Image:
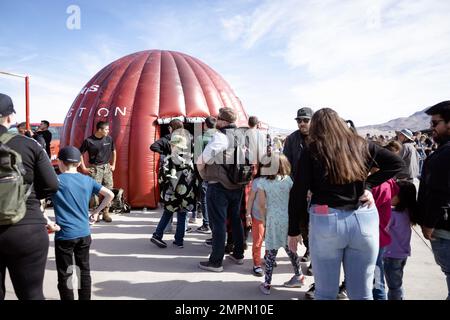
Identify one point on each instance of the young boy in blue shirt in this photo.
(71, 204)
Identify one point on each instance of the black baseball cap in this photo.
(69, 154)
(304, 113)
(440, 108)
(6, 105)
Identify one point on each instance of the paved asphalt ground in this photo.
(125, 265)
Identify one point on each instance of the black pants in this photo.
(23, 250)
(65, 250)
(247, 230)
(305, 238)
(222, 201)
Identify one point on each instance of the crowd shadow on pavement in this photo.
(135, 252)
(126, 265)
(133, 255)
(199, 290)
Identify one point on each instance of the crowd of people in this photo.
(350, 201)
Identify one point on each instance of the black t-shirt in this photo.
(99, 150)
(47, 135)
(39, 172)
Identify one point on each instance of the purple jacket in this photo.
(400, 230)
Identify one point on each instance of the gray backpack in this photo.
(13, 190)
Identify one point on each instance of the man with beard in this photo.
(434, 190)
(294, 145)
(295, 142)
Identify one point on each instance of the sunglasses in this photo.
(304, 120)
(434, 123)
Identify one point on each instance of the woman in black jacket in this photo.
(24, 245)
(343, 218)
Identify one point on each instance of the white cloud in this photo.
(264, 19)
(234, 27)
(104, 50)
(55, 80)
(373, 60)
(27, 58)
(51, 95)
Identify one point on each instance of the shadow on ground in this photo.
(180, 289)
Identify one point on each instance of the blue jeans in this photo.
(168, 228)
(344, 237)
(379, 289)
(203, 190)
(441, 251)
(222, 201)
(393, 271)
(194, 211)
(164, 221)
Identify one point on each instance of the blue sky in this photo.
(371, 60)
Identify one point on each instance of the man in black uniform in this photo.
(102, 160)
(46, 134)
(24, 245)
(22, 129)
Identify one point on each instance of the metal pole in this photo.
(12, 74)
(27, 102)
(27, 94)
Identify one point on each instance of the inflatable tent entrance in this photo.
(138, 95)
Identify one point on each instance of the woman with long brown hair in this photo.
(343, 218)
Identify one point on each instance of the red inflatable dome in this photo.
(137, 94)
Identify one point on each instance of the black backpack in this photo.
(119, 203)
(240, 172)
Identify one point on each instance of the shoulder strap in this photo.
(6, 137)
(228, 148)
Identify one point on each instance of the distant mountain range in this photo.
(415, 122)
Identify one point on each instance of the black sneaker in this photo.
(306, 257)
(206, 265)
(229, 248)
(189, 230)
(342, 295)
(204, 229)
(309, 295)
(236, 260)
(158, 242)
(176, 245)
